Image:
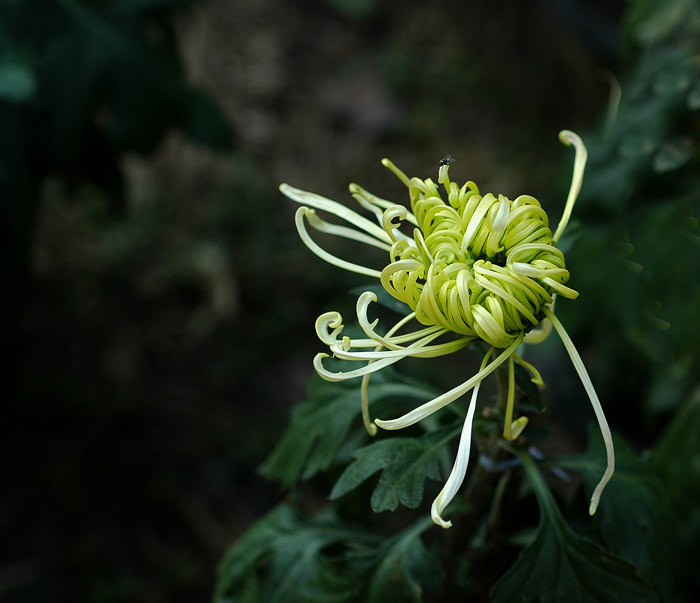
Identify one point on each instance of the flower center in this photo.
(481, 266)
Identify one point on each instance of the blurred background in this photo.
(158, 306)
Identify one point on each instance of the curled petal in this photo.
(569, 138)
(390, 341)
(391, 221)
(364, 403)
(328, 320)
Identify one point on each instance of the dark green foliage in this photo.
(634, 517)
(291, 551)
(284, 558)
(81, 83)
(675, 461)
(405, 464)
(561, 566)
(107, 72)
(320, 425)
(402, 568)
(675, 457)
(638, 265)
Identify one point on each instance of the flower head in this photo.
(474, 268)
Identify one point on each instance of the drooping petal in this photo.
(459, 470)
(597, 407)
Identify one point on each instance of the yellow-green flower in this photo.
(474, 268)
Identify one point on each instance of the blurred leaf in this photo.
(405, 464)
(652, 134)
(676, 461)
(561, 566)
(133, 7)
(676, 458)
(672, 155)
(634, 516)
(108, 79)
(205, 123)
(17, 82)
(320, 425)
(354, 9)
(651, 21)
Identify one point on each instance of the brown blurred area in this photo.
(163, 348)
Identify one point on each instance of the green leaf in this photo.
(651, 21)
(17, 82)
(284, 558)
(280, 556)
(405, 464)
(561, 566)
(672, 155)
(676, 458)
(676, 461)
(399, 570)
(406, 570)
(634, 516)
(320, 425)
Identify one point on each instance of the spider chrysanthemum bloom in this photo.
(474, 268)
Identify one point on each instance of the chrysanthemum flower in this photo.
(474, 268)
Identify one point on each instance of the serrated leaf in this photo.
(406, 570)
(288, 552)
(320, 425)
(560, 566)
(634, 516)
(405, 464)
(399, 570)
(284, 558)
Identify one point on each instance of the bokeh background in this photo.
(158, 307)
